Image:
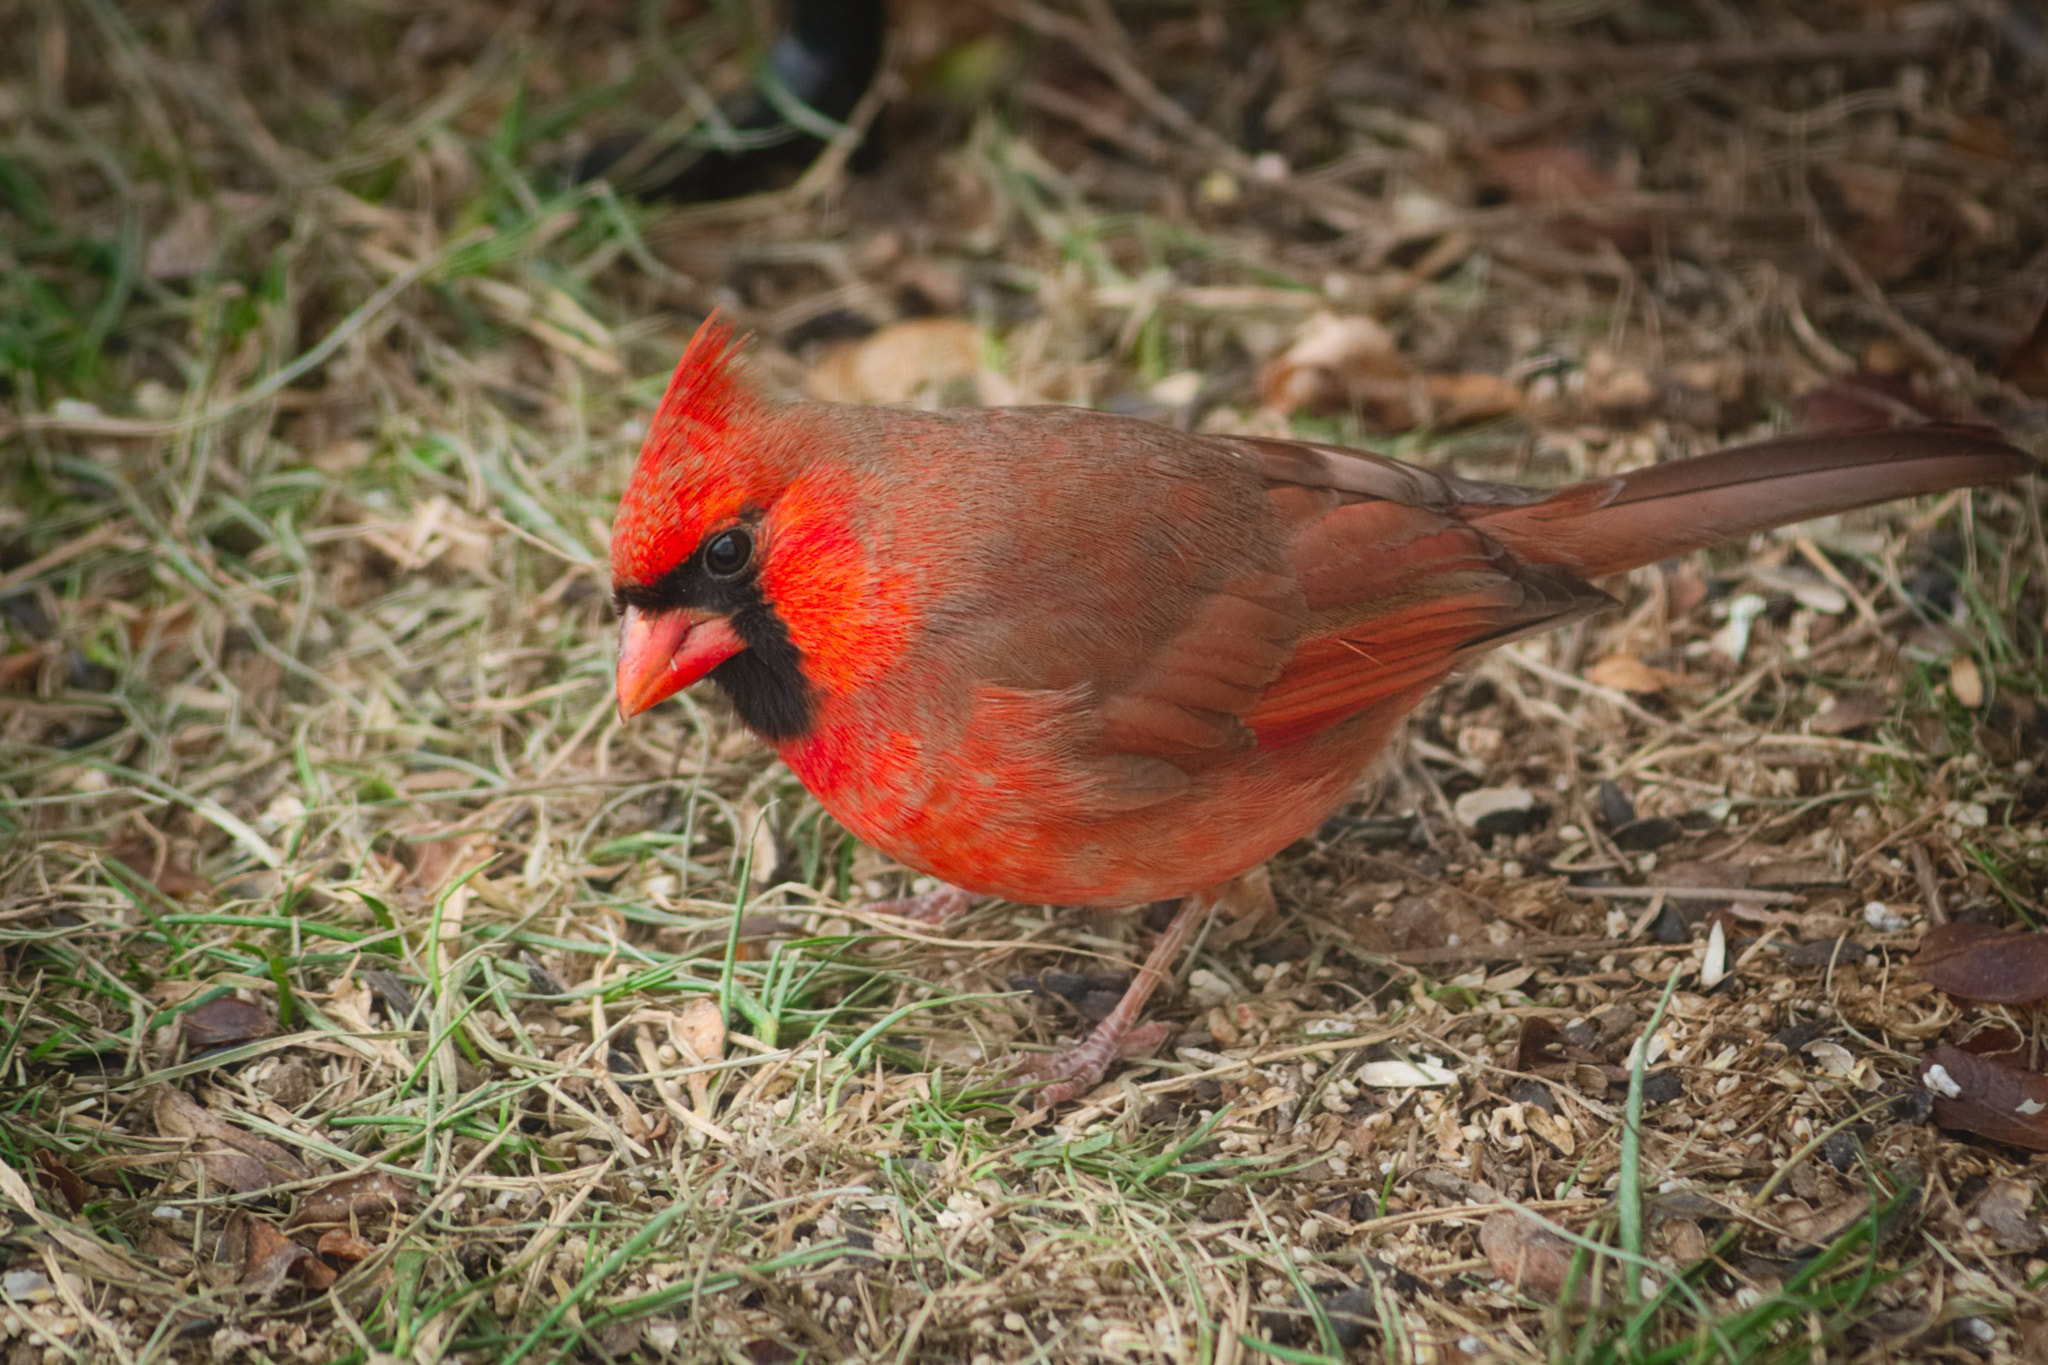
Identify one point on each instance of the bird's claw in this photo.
(1076, 1069)
(936, 909)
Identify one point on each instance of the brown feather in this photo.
(1612, 525)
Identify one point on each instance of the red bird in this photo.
(1070, 658)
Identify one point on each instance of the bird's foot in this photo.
(1078, 1068)
(936, 908)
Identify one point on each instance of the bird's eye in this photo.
(728, 553)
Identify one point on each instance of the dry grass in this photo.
(571, 1041)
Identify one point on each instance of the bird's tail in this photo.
(1606, 526)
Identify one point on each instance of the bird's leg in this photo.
(1077, 1069)
(937, 908)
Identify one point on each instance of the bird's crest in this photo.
(704, 397)
(705, 458)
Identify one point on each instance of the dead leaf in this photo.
(699, 1034)
(2006, 1208)
(224, 1021)
(1627, 673)
(1617, 389)
(1528, 1255)
(899, 362)
(1863, 402)
(1552, 175)
(1986, 136)
(1349, 364)
(1993, 1039)
(1849, 712)
(229, 1156)
(1345, 363)
(1991, 966)
(1538, 1044)
(1965, 683)
(1895, 227)
(1686, 588)
(1499, 92)
(1685, 1244)
(1399, 1074)
(336, 1245)
(1987, 1097)
(160, 866)
(1460, 399)
(1809, 1226)
(1555, 1131)
(184, 245)
(269, 1258)
(20, 670)
(61, 1178)
(440, 851)
(2026, 364)
(354, 1198)
(1244, 904)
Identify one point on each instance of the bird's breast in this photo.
(988, 812)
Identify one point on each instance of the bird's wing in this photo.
(1372, 587)
(1187, 703)
(1398, 585)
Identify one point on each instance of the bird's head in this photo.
(734, 554)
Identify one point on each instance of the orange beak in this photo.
(663, 652)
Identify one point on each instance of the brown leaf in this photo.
(1993, 1040)
(1246, 904)
(61, 1178)
(1684, 1242)
(269, 1257)
(336, 1245)
(1686, 587)
(1340, 363)
(1528, 1255)
(1802, 1223)
(2026, 364)
(1986, 136)
(223, 1021)
(229, 1156)
(1894, 227)
(1538, 1044)
(1987, 1097)
(164, 871)
(20, 670)
(354, 1197)
(1349, 364)
(1551, 175)
(2006, 1209)
(1460, 399)
(184, 245)
(699, 1032)
(1965, 682)
(1616, 389)
(1627, 673)
(1992, 966)
(440, 851)
(897, 363)
(1848, 712)
(1862, 402)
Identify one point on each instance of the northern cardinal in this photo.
(1071, 658)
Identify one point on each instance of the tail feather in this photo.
(1611, 525)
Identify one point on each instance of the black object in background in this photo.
(824, 63)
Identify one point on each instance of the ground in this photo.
(369, 992)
